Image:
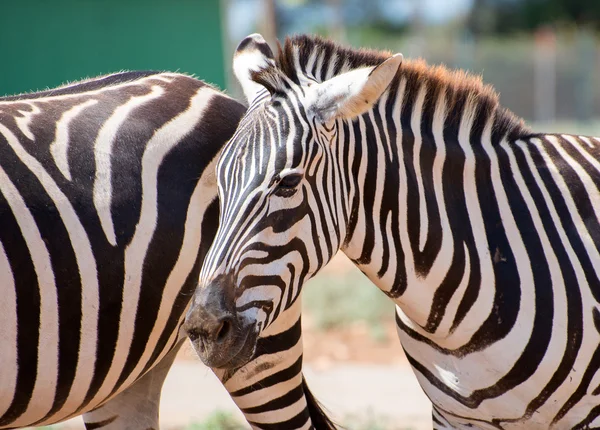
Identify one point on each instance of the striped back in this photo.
(107, 207)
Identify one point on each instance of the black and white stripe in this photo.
(484, 234)
(107, 208)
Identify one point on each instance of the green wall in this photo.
(44, 43)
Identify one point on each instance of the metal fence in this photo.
(543, 78)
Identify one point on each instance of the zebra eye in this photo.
(287, 184)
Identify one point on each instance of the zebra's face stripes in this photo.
(283, 211)
(263, 251)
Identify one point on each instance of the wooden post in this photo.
(584, 90)
(544, 81)
(336, 30)
(268, 25)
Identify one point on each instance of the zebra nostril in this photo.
(193, 334)
(223, 330)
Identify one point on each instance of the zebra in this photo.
(107, 208)
(484, 234)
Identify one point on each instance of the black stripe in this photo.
(474, 283)
(177, 178)
(28, 305)
(100, 424)
(456, 211)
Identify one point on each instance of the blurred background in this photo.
(542, 56)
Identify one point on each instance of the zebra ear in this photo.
(252, 55)
(352, 93)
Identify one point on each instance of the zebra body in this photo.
(484, 234)
(107, 207)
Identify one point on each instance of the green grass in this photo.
(335, 301)
(218, 420)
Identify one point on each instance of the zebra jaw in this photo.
(221, 337)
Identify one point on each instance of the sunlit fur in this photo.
(485, 235)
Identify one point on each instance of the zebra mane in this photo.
(298, 50)
(459, 87)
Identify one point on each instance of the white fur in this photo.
(352, 93)
(248, 60)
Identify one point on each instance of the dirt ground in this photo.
(363, 381)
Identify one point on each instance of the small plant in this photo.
(219, 420)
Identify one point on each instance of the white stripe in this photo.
(24, 121)
(567, 192)
(417, 301)
(87, 270)
(482, 307)
(415, 125)
(266, 365)
(309, 63)
(556, 348)
(589, 158)
(59, 148)
(443, 331)
(319, 68)
(376, 256)
(330, 68)
(260, 396)
(585, 139)
(158, 147)
(355, 247)
(115, 87)
(47, 365)
(103, 154)
(8, 332)
(499, 355)
(202, 196)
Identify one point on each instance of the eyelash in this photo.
(286, 186)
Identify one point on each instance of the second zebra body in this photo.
(485, 234)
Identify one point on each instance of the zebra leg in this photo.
(137, 406)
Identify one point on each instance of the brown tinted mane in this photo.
(460, 88)
(463, 90)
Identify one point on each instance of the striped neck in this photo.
(412, 159)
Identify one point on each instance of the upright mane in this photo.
(301, 55)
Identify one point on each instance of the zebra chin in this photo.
(229, 356)
(222, 337)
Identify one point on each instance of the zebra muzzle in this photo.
(220, 337)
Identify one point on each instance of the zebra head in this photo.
(283, 195)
